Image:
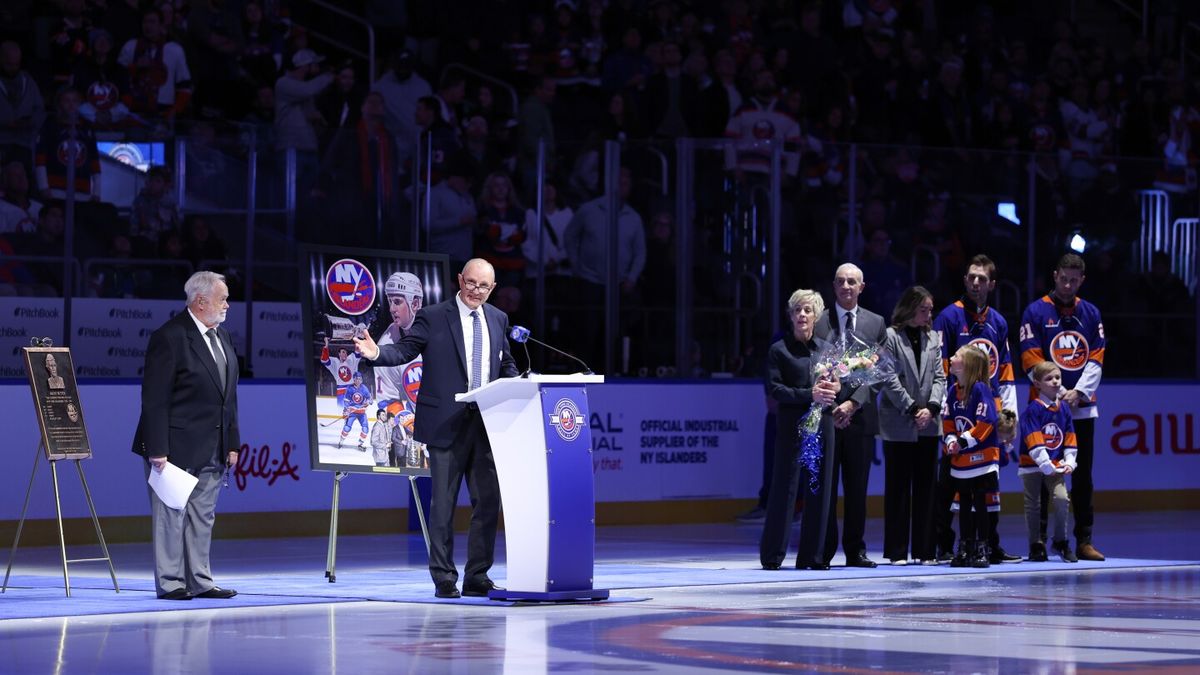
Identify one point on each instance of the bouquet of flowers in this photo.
(853, 362)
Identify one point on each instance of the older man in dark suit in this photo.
(854, 416)
(190, 418)
(463, 343)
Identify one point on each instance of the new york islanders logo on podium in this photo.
(350, 286)
(566, 419)
(1069, 350)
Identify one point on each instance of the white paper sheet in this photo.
(173, 485)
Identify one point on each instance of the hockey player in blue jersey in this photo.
(1066, 330)
(357, 398)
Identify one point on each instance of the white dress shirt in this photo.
(841, 318)
(468, 326)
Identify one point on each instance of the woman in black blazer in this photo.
(790, 382)
(910, 424)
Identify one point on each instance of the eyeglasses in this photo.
(482, 288)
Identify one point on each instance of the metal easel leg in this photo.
(412, 482)
(331, 555)
(112, 571)
(62, 537)
(37, 456)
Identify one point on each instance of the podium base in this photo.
(549, 596)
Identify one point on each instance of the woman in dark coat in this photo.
(790, 382)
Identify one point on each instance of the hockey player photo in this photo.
(361, 416)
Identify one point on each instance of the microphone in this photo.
(520, 334)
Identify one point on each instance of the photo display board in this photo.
(56, 401)
(361, 418)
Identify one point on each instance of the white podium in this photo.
(538, 429)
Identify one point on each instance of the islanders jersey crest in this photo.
(350, 286)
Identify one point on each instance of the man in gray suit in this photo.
(854, 416)
(190, 418)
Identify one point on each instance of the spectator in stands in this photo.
(296, 116)
(401, 89)
(758, 123)
(217, 42)
(621, 123)
(358, 175)
(67, 130)
(501, 229)
(441, 139)
(450, 96)
(672, 97)
(628, 67)
(889, 277)
(548, 240)
(536, 123)
(22, 111)
(341, 105)
(453, 214)
(262, 118)
(103, 82)
(154, 211)
(721, 99)
(478, 150)
(262, 51)
(586, 241)
(201, 245)
(69, 41)
(166, 280)
(46, 241)
(947, 120)
(18, 213)
(1086, 135)
(119, 279)
(159, 79)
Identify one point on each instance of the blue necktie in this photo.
(476, 351)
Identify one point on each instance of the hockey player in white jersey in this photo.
(405, 296)
(343, 369)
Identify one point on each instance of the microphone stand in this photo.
(586, 370)
(528, 361)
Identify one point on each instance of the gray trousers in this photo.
(182, 538)
(1056, 487)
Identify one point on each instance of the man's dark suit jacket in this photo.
(872, 330)
(437, 335)
(185, 414)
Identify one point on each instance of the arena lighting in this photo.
(1078, 243)
(1008, 211)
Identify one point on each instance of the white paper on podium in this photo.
(173, 485)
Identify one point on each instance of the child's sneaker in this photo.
(1063, 549)
(1037, 552)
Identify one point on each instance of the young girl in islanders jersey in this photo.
(1048, 454)
(970, 441)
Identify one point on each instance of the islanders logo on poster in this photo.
(350, 286)
(566, 419)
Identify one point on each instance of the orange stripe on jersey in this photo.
(1069, 440)
(1031, 357)
(946, 366)
(1035, 439)
(1006, 374)
(948, 427)
(981, 430)
(1097, 355)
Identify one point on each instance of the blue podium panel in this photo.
(572, 536)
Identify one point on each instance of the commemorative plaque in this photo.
(56, 400)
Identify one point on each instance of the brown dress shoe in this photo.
(1088, 552)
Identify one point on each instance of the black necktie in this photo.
(849, 322)
(218, 355)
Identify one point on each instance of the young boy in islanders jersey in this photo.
(357, 398)
(343, 370)
(1047, 456)
(1066, 330)
(970, 442)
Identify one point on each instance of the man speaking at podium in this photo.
(463, 343)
